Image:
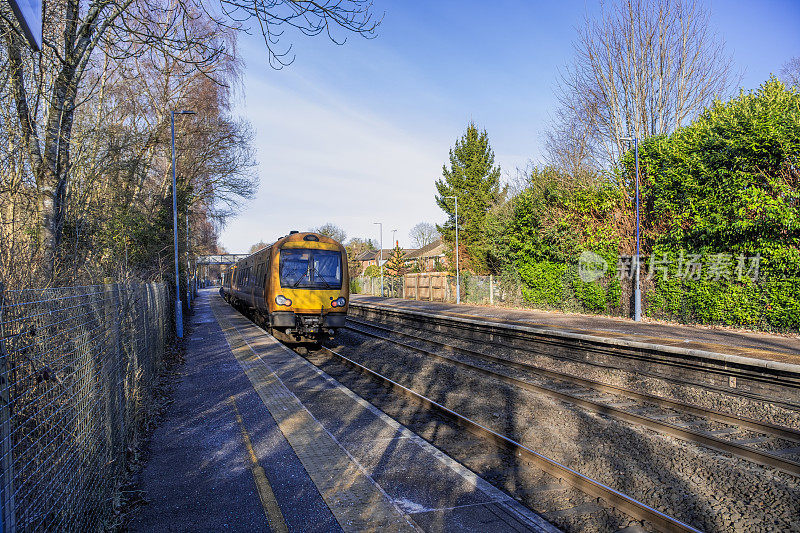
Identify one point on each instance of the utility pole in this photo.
(458, 276)
(188, 265)
(178, 303)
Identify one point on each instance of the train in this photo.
(297, 288)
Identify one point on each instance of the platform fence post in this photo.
(8, 521)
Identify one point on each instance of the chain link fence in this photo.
(433, 286)
(76, 369)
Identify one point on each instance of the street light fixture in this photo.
(380, 262)
(458, 276)
(637, 295)
(178, 303)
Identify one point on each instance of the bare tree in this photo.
(331, 230)
(423, 234)
(257, 246)
(48, 89)
(309, 17)
(641, 67)
(790, 72)
(569, 143)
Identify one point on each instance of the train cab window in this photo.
(311, 269)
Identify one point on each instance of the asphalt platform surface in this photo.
(782, 348)
(331, 461)
(197, 477)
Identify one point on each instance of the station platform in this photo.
(259, 439)
(781, 349)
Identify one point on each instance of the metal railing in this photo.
(431, 286)
(77, 366)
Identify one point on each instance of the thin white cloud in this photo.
(323, 160)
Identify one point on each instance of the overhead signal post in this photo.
(458, 275)
(380, 262)
(178, 303)
(637, 294)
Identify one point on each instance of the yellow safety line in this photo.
(268, 501)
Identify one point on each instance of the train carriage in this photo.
(297, 286)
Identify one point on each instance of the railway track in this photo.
(594, 489)
(631, 406)
(750, 379)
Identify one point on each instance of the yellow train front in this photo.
(297, 286)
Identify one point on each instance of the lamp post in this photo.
(188, 265)
(380, 262)
(458, 275)
(637, 295)
(394, 235)
(178, 303)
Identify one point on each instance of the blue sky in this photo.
(358, 133)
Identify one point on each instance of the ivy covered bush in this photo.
(728, 183)
(724, 186)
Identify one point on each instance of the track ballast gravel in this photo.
(706, 489)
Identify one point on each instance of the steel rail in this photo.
(450, 320)
(627, 504)
(710, 441)
(719, 416)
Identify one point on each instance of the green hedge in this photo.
(772, 305)
(558, 286)
(769, 305)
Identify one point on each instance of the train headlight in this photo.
(282, 300)
(338, 302)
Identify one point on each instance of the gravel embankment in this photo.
(534, 488)
(707, 489)
(730, 403)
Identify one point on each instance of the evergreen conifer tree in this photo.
(475, 180)
(396, 264)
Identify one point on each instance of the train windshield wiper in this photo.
(323, 280)
(296, 283)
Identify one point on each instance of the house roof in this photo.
(366, 255)
(434, 249)
(371, 255)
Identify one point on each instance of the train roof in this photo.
(294, 236)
